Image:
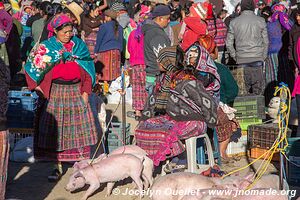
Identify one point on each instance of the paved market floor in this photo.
(29, 182)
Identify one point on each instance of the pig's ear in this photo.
(76, 166)
(78, 175)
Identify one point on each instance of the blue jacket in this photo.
(275, 36)
(106, 39)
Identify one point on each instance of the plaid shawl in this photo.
(167, 60)
(205, 69)
(45, 56)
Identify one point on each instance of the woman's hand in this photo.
(85, 98)
(39, 91)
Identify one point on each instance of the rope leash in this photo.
(283, 118)
(125, 72)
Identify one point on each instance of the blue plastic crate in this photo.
(20, 119)
(115, 136)
(22, 100)
(13, 123)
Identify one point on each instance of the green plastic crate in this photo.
(244, 123)
(250, 107)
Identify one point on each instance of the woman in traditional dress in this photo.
(161, 136)
(137, 63)
(62, 71)
(109, 45)
(90, 25)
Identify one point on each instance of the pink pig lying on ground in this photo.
(108, 170)
(147, 173)
(185, 182)
(241, 183)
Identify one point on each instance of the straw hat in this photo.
(76, 10)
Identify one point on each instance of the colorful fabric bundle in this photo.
(279, 13)
(214, 171)
(190, 101)
(207, 41)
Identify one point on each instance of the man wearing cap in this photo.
(250, 35)
(155, 39)
(126, 22)
(260, 5)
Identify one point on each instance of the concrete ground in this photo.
(29, 182)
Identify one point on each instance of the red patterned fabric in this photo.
(90, 41)
(218, 31)
(111, 64)
(139, 93)
(160, 136)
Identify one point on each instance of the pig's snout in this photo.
(69, 188)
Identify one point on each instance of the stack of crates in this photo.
(262, 137)
(21, 109)
(250, 110)
(115, 136)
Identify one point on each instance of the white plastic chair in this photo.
(190, 145)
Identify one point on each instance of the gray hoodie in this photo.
(155, 39)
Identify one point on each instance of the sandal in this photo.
(137, 118)
(55, 176)
(130, 114)
(179, 168)
(169, 167)
(235, 158)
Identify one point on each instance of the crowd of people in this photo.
(177, 54)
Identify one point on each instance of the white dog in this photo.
(273, 109)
